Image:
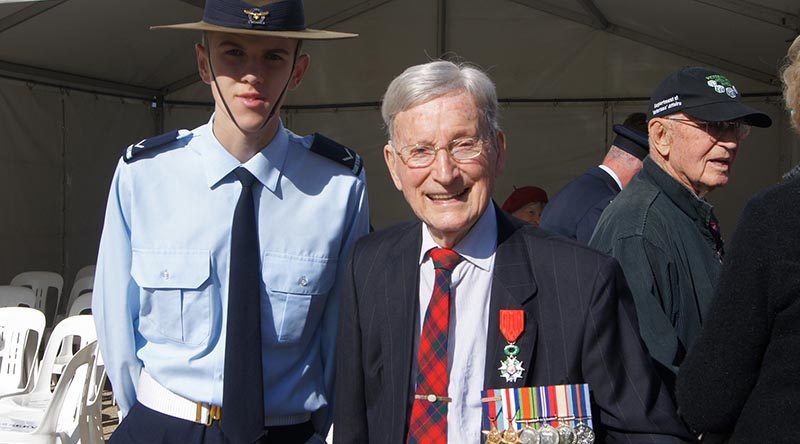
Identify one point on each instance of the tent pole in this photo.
(157, 105)
(441, 34)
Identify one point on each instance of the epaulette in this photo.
(337, 152)
(137, 149)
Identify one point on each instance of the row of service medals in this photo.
(557, 414)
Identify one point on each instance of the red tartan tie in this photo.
(429, 418)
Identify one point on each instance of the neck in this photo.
(241, 144)
(622, 171)
(664, 165)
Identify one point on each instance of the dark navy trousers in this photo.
(146, 426)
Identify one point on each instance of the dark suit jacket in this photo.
(575, 210)
(580, 326)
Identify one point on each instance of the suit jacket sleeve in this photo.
(358, 227)
(634, 405)
(350, 412)
(586, 225)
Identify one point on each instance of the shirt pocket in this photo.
(297, 287)
(175, 294)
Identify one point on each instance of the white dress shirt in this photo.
(612, 174)
(469, 317)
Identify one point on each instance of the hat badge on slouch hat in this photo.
(276, 18)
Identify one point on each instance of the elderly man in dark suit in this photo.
(420, 332)
(575, 210)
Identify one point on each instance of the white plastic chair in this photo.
(27, 419)
(88, 270)
(11, 296)
(41, 282)
(90, 425)
(80, 304)
(81, 286)
(20, 334)
(74, 326)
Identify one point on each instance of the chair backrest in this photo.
(81, 304)
(41, 282)
(81, 286)
(65, 410)
(81, 326)
(85, 271)
(20, 335)
(91, 422)
(11, 296)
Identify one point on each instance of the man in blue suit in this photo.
(575, 210)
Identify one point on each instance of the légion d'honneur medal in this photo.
(512, 322)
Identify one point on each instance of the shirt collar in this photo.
(478, 245)
(612, 174)
(266, 166)
(698, 209)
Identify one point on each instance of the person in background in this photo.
(740, 382)
(526, 203)
(660, 227)
(420, 333)
(575, 210)
(215, 295)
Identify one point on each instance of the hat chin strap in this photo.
(273, 108)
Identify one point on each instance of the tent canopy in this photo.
(82, 79)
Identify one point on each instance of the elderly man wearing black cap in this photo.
(661, 228)
(575, 210)
(215, 299)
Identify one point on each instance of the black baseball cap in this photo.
(705, 95)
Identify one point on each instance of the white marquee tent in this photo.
(82, 79)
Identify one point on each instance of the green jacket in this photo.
(661, 234)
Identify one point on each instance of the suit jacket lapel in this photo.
(401, 289)
(513, 288)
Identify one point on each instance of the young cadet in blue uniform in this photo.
(198, 220)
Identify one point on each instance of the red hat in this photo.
(523, 196)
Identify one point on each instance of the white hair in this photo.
(422, 83)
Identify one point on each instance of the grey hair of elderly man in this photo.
(421, 83)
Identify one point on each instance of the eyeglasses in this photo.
(420, 155)
(718, 130)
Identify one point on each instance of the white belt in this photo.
(157, 397)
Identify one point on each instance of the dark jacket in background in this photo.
(742, 377)
(575, 210)
(659, 231)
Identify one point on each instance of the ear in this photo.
(391, 163)
(500, 143)
(300, 68)
(660, 137)
(202, 63)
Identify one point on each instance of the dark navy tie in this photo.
(243, 391)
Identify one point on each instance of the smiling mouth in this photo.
(440, 197)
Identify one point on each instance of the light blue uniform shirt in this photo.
(161, 291)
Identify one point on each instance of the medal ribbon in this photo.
(512, 322)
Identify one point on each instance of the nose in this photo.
(252, 72)
(444, 168)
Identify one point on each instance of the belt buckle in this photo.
(214, 413)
